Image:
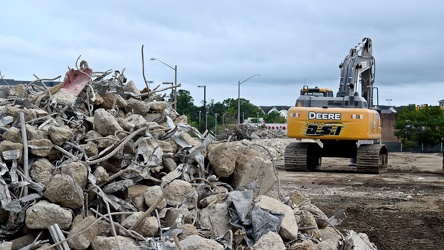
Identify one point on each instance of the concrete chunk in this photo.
(59, 135)
(78, 171)
(176, 192)
(270, 240)
(12, 134)
(216, 218)
(131, 87)
(104, 123)
(44, 214)
(289, 227)
(222, 158)
(195, 242)
(83, 240)
(152, 194)
(252, 167)
(103, 242)
(113, 101)
(139, 107)
(40, 147)
(63, 190)
(135, 193)
(158, 107)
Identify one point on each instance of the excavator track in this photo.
(371, 158)
(302, 156)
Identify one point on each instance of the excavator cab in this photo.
(316, 92)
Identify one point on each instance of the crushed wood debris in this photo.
(95, 163)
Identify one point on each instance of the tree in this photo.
(414, 126)
(249, 110)
(274, 117)
(185, 106)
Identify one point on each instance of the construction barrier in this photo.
(276, 126)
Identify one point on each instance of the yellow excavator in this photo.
(345, 126)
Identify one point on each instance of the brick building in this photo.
(388, 127)
(388, 118)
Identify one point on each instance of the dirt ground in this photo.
(402, 208)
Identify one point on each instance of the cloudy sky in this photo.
(218, 43)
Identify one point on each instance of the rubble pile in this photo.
(248, 131)
(94, 163)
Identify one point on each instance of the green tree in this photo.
(229, 116)
(414, 126)
(185, 105)
(274, 117)
(249, 110)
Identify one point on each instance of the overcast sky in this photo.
(218, 43)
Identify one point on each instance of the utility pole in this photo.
(238, 96)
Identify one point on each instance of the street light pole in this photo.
(257, 119)
(175, 79)
(215, 123)
(238, 96)
(205, 105)
(175, 83)
(170, 83)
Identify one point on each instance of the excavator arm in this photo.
(358, 65)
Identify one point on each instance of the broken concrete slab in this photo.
(59, 135)
(222, 158)
(138, 107)
(136, 194)
(12, 135)
(40, 147)
(289, 227)
(44, 214)
(250, 168)
(65, 191)
(215, 217)
(358, 241)
(152, 195)
(83, 240)
(78, 171)
(104, 123)
(268, 241)
(196, 242)
(177, 191)
(103, 242)
(113, 101)
(308, 222)
(331, 233)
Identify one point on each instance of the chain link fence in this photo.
(422, 148)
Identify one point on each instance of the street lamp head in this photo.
(201, 86)
(152, 58)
